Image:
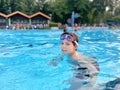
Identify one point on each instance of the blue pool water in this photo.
(25, 57)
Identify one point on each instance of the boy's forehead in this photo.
(65, 40)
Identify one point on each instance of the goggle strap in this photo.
(76, 43)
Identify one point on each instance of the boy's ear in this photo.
(76, 46)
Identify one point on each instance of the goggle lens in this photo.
(66, 36)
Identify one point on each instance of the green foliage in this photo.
(116, 18)
(62, 9)
(90, 15)
(4, 6)
(117, 10)
(59, 10)
(27, 6)
(90, 12)
(53, 24)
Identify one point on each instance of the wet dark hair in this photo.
(74, 36)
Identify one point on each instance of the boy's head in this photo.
(70, 37)
(69, 42)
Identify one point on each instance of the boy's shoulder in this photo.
(93, 61)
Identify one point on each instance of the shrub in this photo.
(53, 24)
(117, 18)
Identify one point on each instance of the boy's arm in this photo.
(55, 61)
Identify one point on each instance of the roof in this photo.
(18, 12)
(40, 13)
(3, 15)
(25, 15)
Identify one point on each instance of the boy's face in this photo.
(67, 47)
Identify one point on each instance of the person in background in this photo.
(65, 28)
(76, 27)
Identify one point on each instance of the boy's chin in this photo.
(65, 53)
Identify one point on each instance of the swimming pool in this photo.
(25, 57)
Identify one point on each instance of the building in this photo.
(24, 20)
(3, 19)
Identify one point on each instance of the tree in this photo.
(117, 11)
(15, 5)
(91, 17)
(4, 6)
(62, 9)
(27, 6)
(59, 10)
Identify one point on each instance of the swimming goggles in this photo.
(68, 37)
